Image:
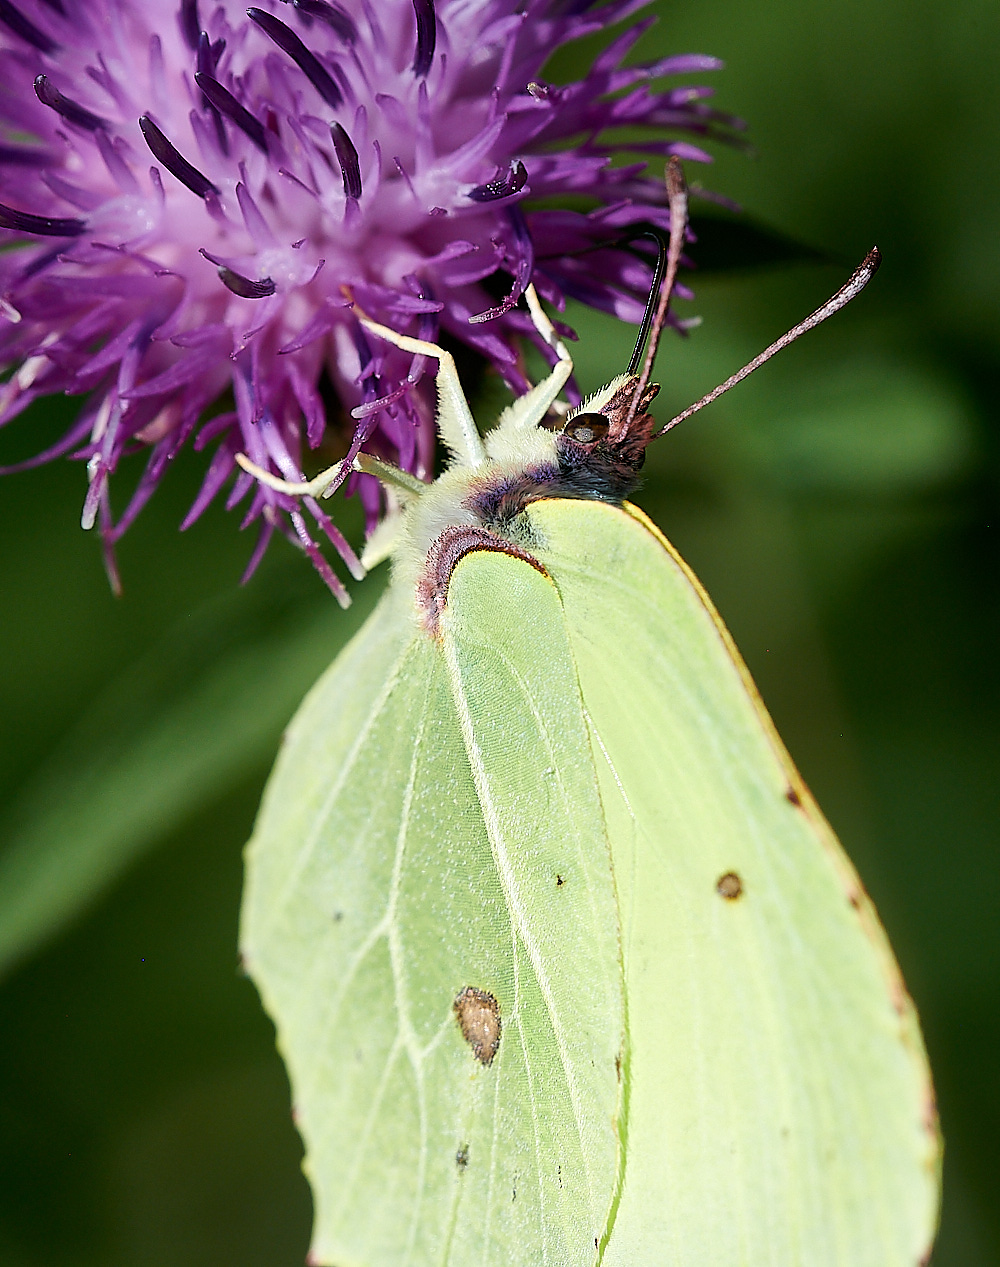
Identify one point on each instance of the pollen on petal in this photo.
(503, 186)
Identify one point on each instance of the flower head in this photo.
(188, 194)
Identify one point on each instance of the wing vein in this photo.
(366, 1132)
(515, 904)
(329, 801)
(396, 959)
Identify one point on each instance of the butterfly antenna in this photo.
(662, 286)
(859, 279)
(660, 238)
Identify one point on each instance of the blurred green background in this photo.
(841, 508)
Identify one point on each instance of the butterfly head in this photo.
(602, 445)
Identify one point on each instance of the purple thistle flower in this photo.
(191, 194)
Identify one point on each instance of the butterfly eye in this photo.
(586, 428)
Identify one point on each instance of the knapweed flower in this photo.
(189, 195)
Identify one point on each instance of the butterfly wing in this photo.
(779, 1104)
(563, 959)
(430, 918)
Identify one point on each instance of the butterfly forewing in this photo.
(430, 916)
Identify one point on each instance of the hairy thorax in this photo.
(480, 508)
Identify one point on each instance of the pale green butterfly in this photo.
(566, 965)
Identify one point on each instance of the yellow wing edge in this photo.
(853, 887)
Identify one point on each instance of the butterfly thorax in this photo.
(596, 455)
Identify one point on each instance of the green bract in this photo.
(565, 963)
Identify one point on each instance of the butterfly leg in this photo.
(529, 410)
(455, 423)
(327, 482)
(319, 486)
(548, 332)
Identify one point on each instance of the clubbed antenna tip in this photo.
(858, 280)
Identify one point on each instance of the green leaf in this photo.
(202, 710)
(728, 243)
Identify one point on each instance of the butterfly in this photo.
(565, 963)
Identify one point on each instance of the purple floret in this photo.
(189, 194)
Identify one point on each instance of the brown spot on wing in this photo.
(729, 886)
(478, 1015)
